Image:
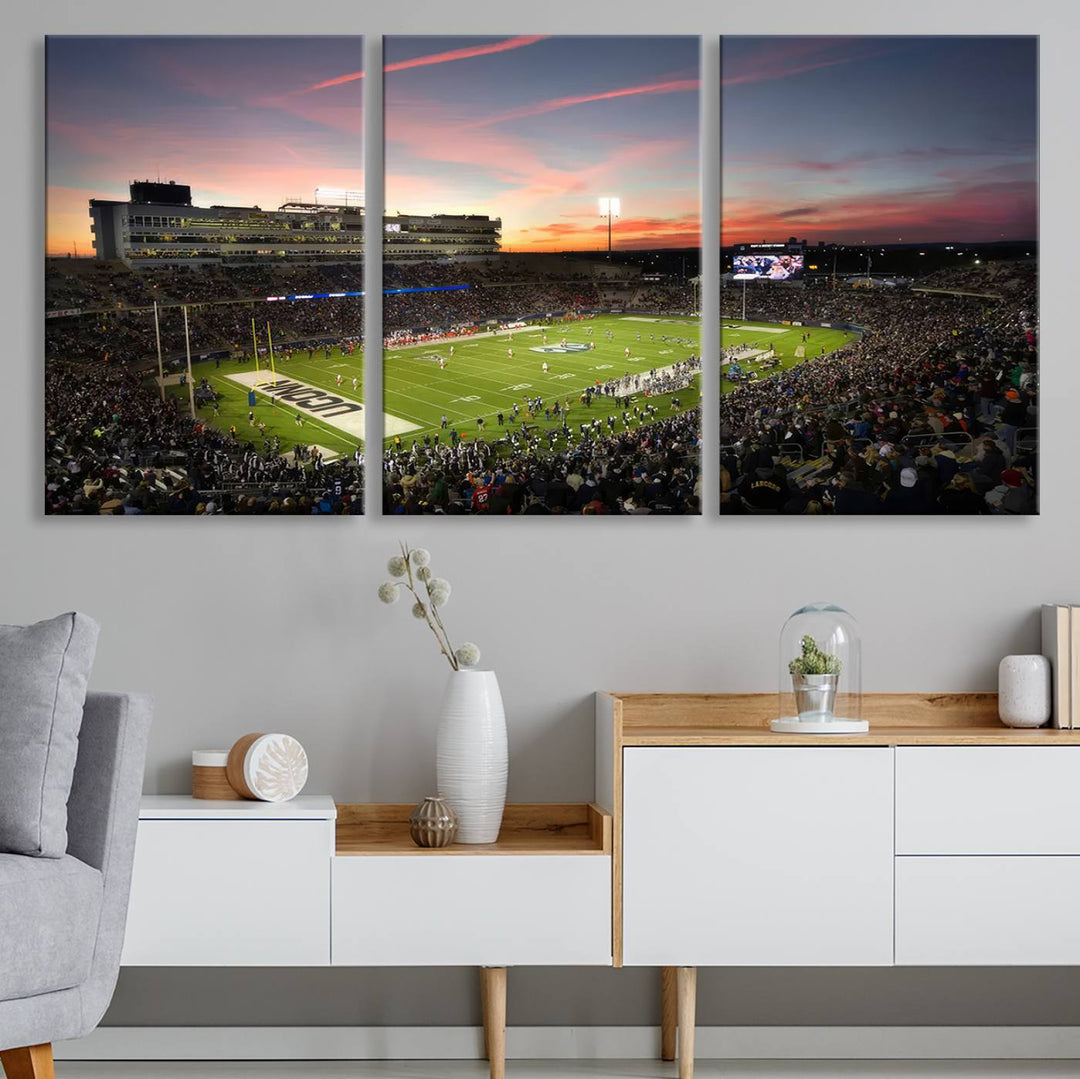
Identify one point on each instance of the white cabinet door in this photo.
(472, 910)
(988, 800)
(981, 911)
(246, 893)
(758, 856)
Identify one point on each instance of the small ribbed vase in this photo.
(432, 823)
(470, 754)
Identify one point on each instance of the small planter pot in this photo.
(815, 695)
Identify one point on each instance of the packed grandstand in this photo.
(633, 461)
(115, 446)
(933, 409)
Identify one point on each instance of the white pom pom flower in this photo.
(439, 591)
(411, 572)
(468, 655)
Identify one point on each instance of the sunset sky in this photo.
(236, 118)
(534, 130)
(879, 139)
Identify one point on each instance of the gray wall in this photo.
(238, 624)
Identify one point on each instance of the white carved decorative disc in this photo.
(276, 768)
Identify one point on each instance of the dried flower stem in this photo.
(436, 626)
(446, 635)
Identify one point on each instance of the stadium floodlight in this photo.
(609, 208)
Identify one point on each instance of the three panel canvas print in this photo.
(540, 249)
(544, 198)
(204, 275)
(879, 313)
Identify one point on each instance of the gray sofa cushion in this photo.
(49, 911)
(44, 669)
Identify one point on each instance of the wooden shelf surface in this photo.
(555, 828)
(878, 735)
(896, 719)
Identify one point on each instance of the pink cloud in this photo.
(779, 60)
(987, 209)
(449, 56)
(671, 86)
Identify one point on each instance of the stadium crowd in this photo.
(114, 447)
(653, 469)
(931, 410)
(225, 299)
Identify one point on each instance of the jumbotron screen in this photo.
(779, 267)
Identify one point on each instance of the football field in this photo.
(306, 386)
(482, 379)
(761, 336)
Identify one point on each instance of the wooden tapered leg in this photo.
(484, 1011)
(669, 997)
(493, 994)
(687, 981)
(32, 1062)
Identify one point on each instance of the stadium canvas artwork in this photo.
(879, 276)
(204, 276)
(540, 262)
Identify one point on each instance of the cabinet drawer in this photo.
(980, 911)
(230, 893)
(472, 910)
(988, 800)
(757, 856)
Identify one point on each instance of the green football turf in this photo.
(279, 419)
(480, 380)
(734, 332)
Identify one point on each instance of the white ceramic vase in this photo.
(1024, 691)
(470, 754)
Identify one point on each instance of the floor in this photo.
(575, 1069)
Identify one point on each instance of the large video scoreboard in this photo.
(768, 262)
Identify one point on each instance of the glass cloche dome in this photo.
(820, 673)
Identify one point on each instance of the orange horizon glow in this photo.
(537, 138)
(220, 114)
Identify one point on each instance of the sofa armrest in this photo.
(103, 808)
(103, 816)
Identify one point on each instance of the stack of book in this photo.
(1061, 645)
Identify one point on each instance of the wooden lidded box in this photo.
(208, 775)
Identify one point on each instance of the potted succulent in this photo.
(814, 677)
(470, 752)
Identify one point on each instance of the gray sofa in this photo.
(62, 919)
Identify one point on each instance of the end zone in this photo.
(343, 413)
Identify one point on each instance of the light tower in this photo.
(609, 208)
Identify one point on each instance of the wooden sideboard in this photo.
(940, 838)
(310, 883)
(735, 846)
